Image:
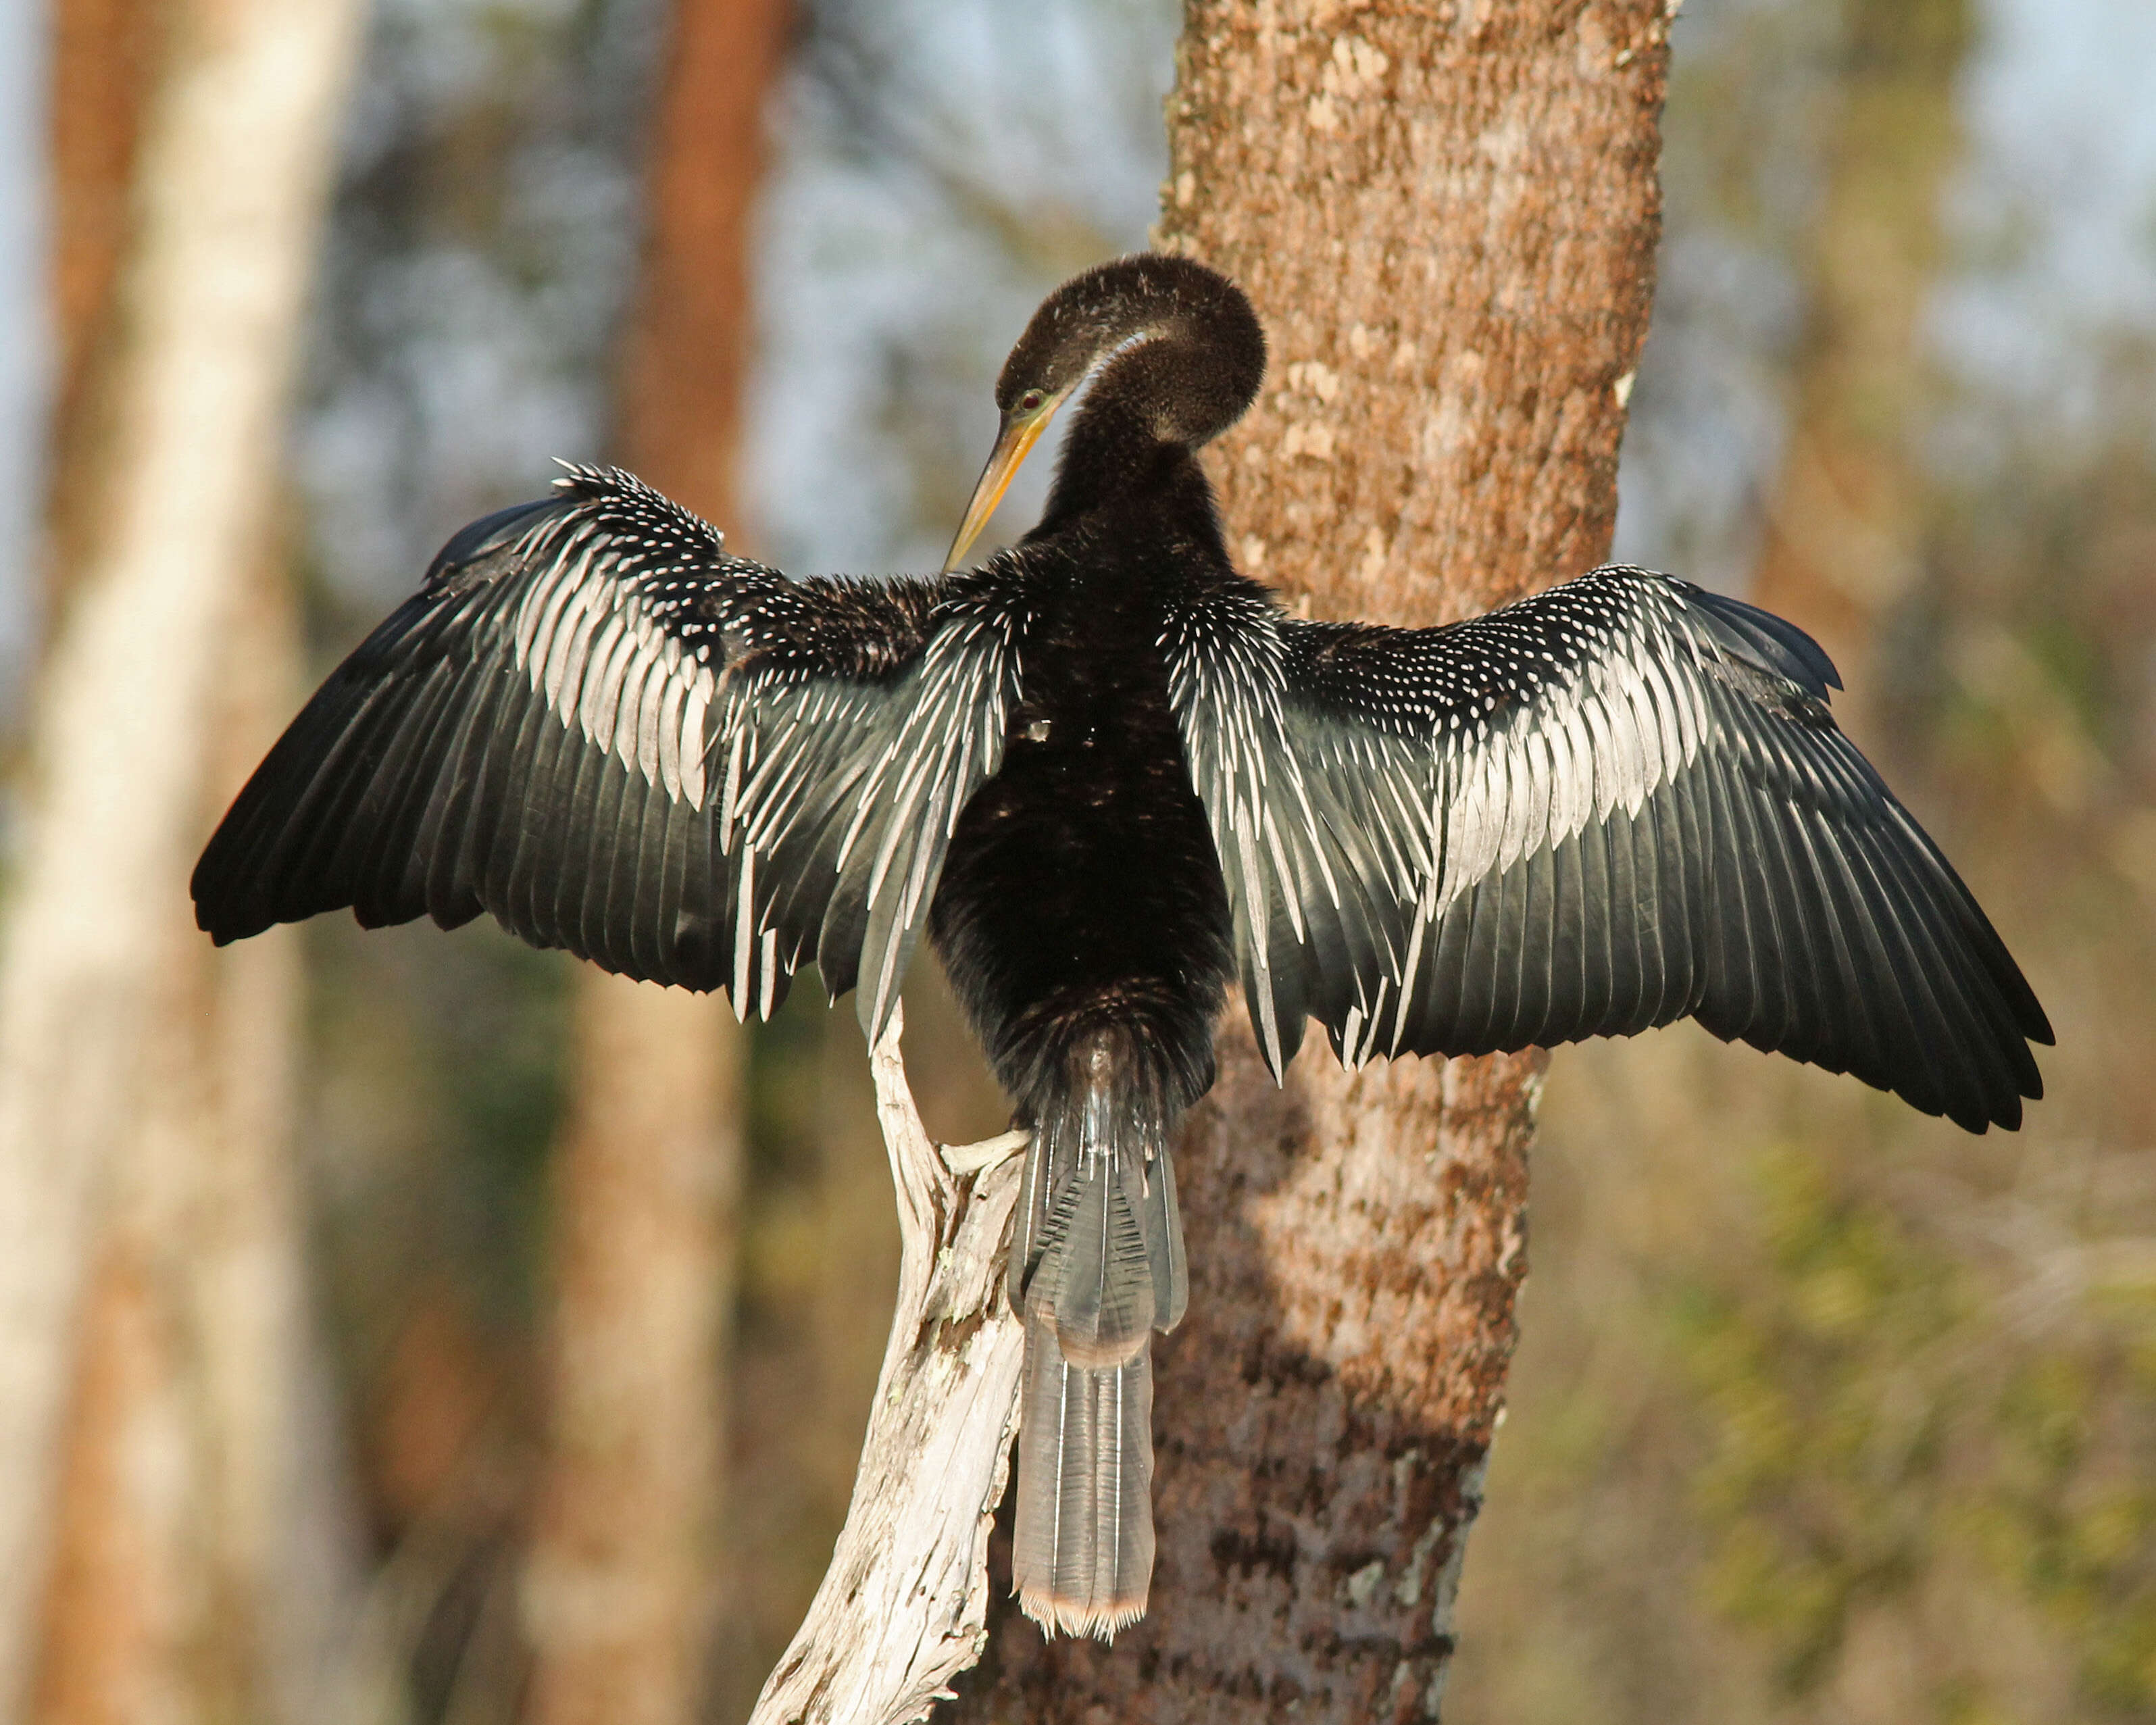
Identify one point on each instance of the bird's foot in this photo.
(963, 1159)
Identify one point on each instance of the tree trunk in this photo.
(623, 1578)
(616, 1597)
(1845, 532)
(233, 166)
(201, 1549)
(205, 1585)
(106, 59)
(1446, 218)
(102, 1649)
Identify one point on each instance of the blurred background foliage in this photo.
(1822, 1411)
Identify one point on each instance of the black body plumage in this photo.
(1111, 776)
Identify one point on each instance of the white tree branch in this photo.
(903, 1608)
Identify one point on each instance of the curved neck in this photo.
(1136, 433)
(1111, 452)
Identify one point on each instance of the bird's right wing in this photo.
(595, 725)
(1610, 805)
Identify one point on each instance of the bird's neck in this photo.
(1156, 497)
(1114, 461)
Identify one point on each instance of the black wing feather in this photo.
(1616, 803)
(596, 724)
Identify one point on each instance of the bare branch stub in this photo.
(903, 1608)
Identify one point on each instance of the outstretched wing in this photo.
(1605, 807)
(594, 724)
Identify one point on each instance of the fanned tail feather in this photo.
(1096, 1266)
(1082, 1559)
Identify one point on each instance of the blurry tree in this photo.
(1449, 232)
(144, 1124)
(627, 1565)
(106, 58)
(104, 61)
(202, 1557)
(1845, 528)
(478, 267)
(157, 1595)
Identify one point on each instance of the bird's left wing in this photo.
(1610, 805)
(594, 724)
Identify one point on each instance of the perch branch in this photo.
(903, 1609)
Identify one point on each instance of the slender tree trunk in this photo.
(279, 1556)
(624, 1571)
(113, 1641)
(101, 1647)
(1845, 531)
(106, 59)
(1446, 217)
(198, 1561)
(617, 1592)
(234, 160)
(685, 371)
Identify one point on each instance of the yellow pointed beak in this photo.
(1014, 443)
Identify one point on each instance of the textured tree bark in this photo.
(1446, 215)
(1844, 530)
(624, 1574)
(233, 166)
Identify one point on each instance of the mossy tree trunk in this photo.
(1446, 216)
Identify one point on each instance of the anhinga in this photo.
(1110, 775)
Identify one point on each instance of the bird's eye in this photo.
(1030, 401)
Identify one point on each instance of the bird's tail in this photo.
(1083, 1560)
(1096, 1266)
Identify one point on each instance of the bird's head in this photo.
(1172, 350)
